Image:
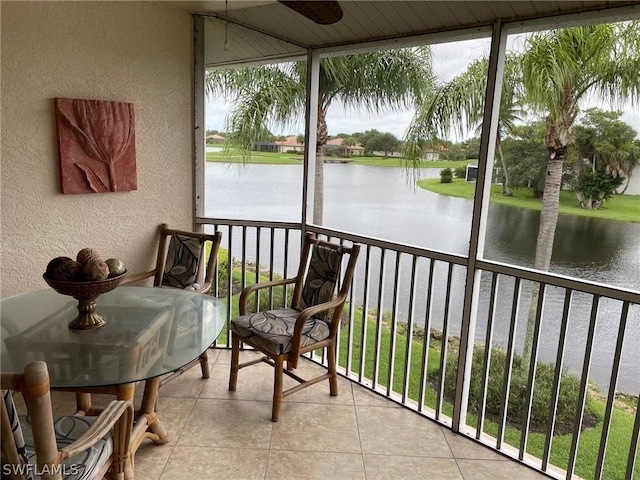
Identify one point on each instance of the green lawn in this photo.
(619, 207)
(234, 156)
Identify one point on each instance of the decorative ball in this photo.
(116, 267)
(67, 271)
(86, 255)
(55, 263)
(95, 270)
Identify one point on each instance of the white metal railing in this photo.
(402, 331)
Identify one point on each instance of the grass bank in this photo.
(234, 156)
(619, 207)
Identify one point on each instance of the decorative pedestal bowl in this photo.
(86, 294)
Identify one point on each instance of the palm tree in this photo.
(458, 105)
(623, 162)
(277, 94)
(559, 69)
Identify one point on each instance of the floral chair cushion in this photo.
(273, 330)
(18, 437)
(322, 276)
(183, 255)
(83, 466)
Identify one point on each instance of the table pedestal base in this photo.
(147, 424)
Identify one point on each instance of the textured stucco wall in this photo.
(137, 52)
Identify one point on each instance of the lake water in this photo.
(380, 202)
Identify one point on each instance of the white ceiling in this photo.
(267, 30)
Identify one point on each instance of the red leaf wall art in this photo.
(96, 146)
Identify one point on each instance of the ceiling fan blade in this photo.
(321, 12)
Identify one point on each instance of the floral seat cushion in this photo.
(67, 429)
(272, 330)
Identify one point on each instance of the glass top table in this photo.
(149, 332)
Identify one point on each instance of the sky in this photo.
(449, 60)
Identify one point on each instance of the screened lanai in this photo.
(461, 286)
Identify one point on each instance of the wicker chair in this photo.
(67, 447)
(286, 333)
(180, 264)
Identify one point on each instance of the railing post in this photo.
(478, 223)
(310, 135)
(199, 153)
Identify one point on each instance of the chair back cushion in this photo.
(83, 466)
(322, 276)
(183, 256)
(18, 437)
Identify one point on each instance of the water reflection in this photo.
(600, 250)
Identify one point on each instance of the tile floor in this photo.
(356, 435)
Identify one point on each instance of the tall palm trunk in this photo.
(557, 145)
(318, 192)
(626, 185)
(506, 185)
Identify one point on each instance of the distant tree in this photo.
(606, 144)
(526, 157)
(384, 142)
(300, 139)
(348, 141)
(453, 152)
(357, 136)
(471, 148)
(365, 138)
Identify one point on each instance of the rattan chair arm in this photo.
(116, 411)
(306, 314)
(136, 277)
(259, 286)
(205, 288)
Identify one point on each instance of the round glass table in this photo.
(149, 332)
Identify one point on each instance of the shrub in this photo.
(460, 172)
(567, 398)
(592, 189)
(222, 265)
(270, 299)
(446, 175)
